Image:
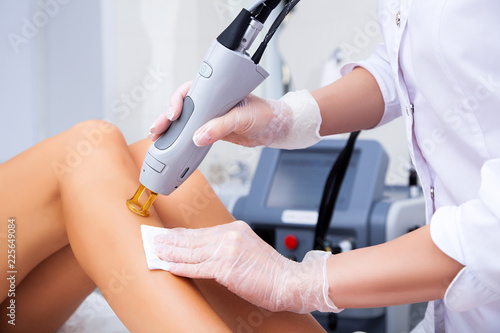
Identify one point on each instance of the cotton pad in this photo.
(148, 234)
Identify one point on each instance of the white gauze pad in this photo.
(148, 234)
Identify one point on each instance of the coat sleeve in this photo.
(379, 66)
(470, 234)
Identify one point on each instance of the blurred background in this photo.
(65, 61)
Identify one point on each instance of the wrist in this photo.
(309, 284)
(323, 302)
(305, 124)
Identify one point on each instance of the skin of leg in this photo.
(48, 276)
(112, 254)
(198, 206)
(49, 294)
(29, 193)
(105, 237)
(202, 202)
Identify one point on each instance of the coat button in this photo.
(432, 192)
(398, 18)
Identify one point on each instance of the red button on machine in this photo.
(291, 242)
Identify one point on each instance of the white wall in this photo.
(51, 65)
(19, 125)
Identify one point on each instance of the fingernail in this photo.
(170, 113)
(201, 138)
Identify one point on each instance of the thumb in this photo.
(193, 271)
(161, 124)
(218, 128)
(177, 100)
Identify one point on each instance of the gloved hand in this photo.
(237, 258)
(291, 122)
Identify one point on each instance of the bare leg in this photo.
(49, 282)
(49, 294)
(105, 236)
(29, 193)
(192, 205)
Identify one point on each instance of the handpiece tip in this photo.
(135, 206)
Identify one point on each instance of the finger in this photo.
(153, 137)
(188, 242)
(184, 255)
(196, 271)
(169, 235)
(189, 238)
(177, 100)
(159, 126)
(218, 128)
(174, 109)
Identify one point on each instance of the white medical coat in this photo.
(439, 68)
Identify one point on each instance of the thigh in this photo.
(29, 192)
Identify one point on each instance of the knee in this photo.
(87, 142)
(96, 133)
(93, 136)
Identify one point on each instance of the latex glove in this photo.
(237, 258)
(291, 122)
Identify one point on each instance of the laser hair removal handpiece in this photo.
(226, 75)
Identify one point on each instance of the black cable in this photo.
(263, 11)
(331, 192)
(262, 47)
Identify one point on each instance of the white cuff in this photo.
(466, 292)
(379, 67)
(469, 288)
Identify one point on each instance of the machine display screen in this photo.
(300, 178)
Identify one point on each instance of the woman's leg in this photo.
(49, 283)
(192, 205)
(29, 194)
(88, 170)
(48, 295)
(105, 237)
(198, 206)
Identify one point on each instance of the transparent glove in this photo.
(291, 122)
(237, 258)
(173, 112)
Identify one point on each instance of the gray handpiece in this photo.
(225, 77)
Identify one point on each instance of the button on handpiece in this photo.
(205, 70)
